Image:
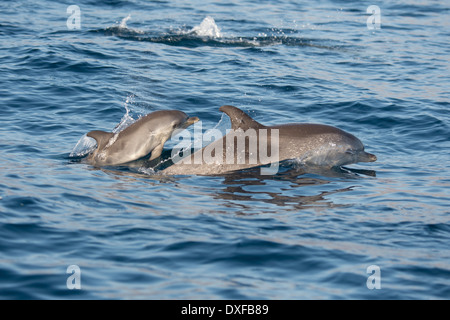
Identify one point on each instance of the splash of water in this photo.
(126, 120)
(208, 28)
(123, 23)
(147, 171)
(86, 144)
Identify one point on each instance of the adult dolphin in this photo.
(312, 144)
(148, 134)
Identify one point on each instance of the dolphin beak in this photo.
(367, 157)
(191, 121)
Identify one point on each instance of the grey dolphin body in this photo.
(315, 144)
(148, 134)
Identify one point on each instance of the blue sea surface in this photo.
(294, 235)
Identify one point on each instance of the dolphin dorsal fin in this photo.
(101, 137)
(239, 119)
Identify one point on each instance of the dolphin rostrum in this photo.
(148, 134)
(312, 144)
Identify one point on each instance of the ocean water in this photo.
(135, 234)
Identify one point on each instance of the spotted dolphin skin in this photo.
(312, 144)
(148, 134)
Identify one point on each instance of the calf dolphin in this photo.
(148, 134)
(313, 144)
